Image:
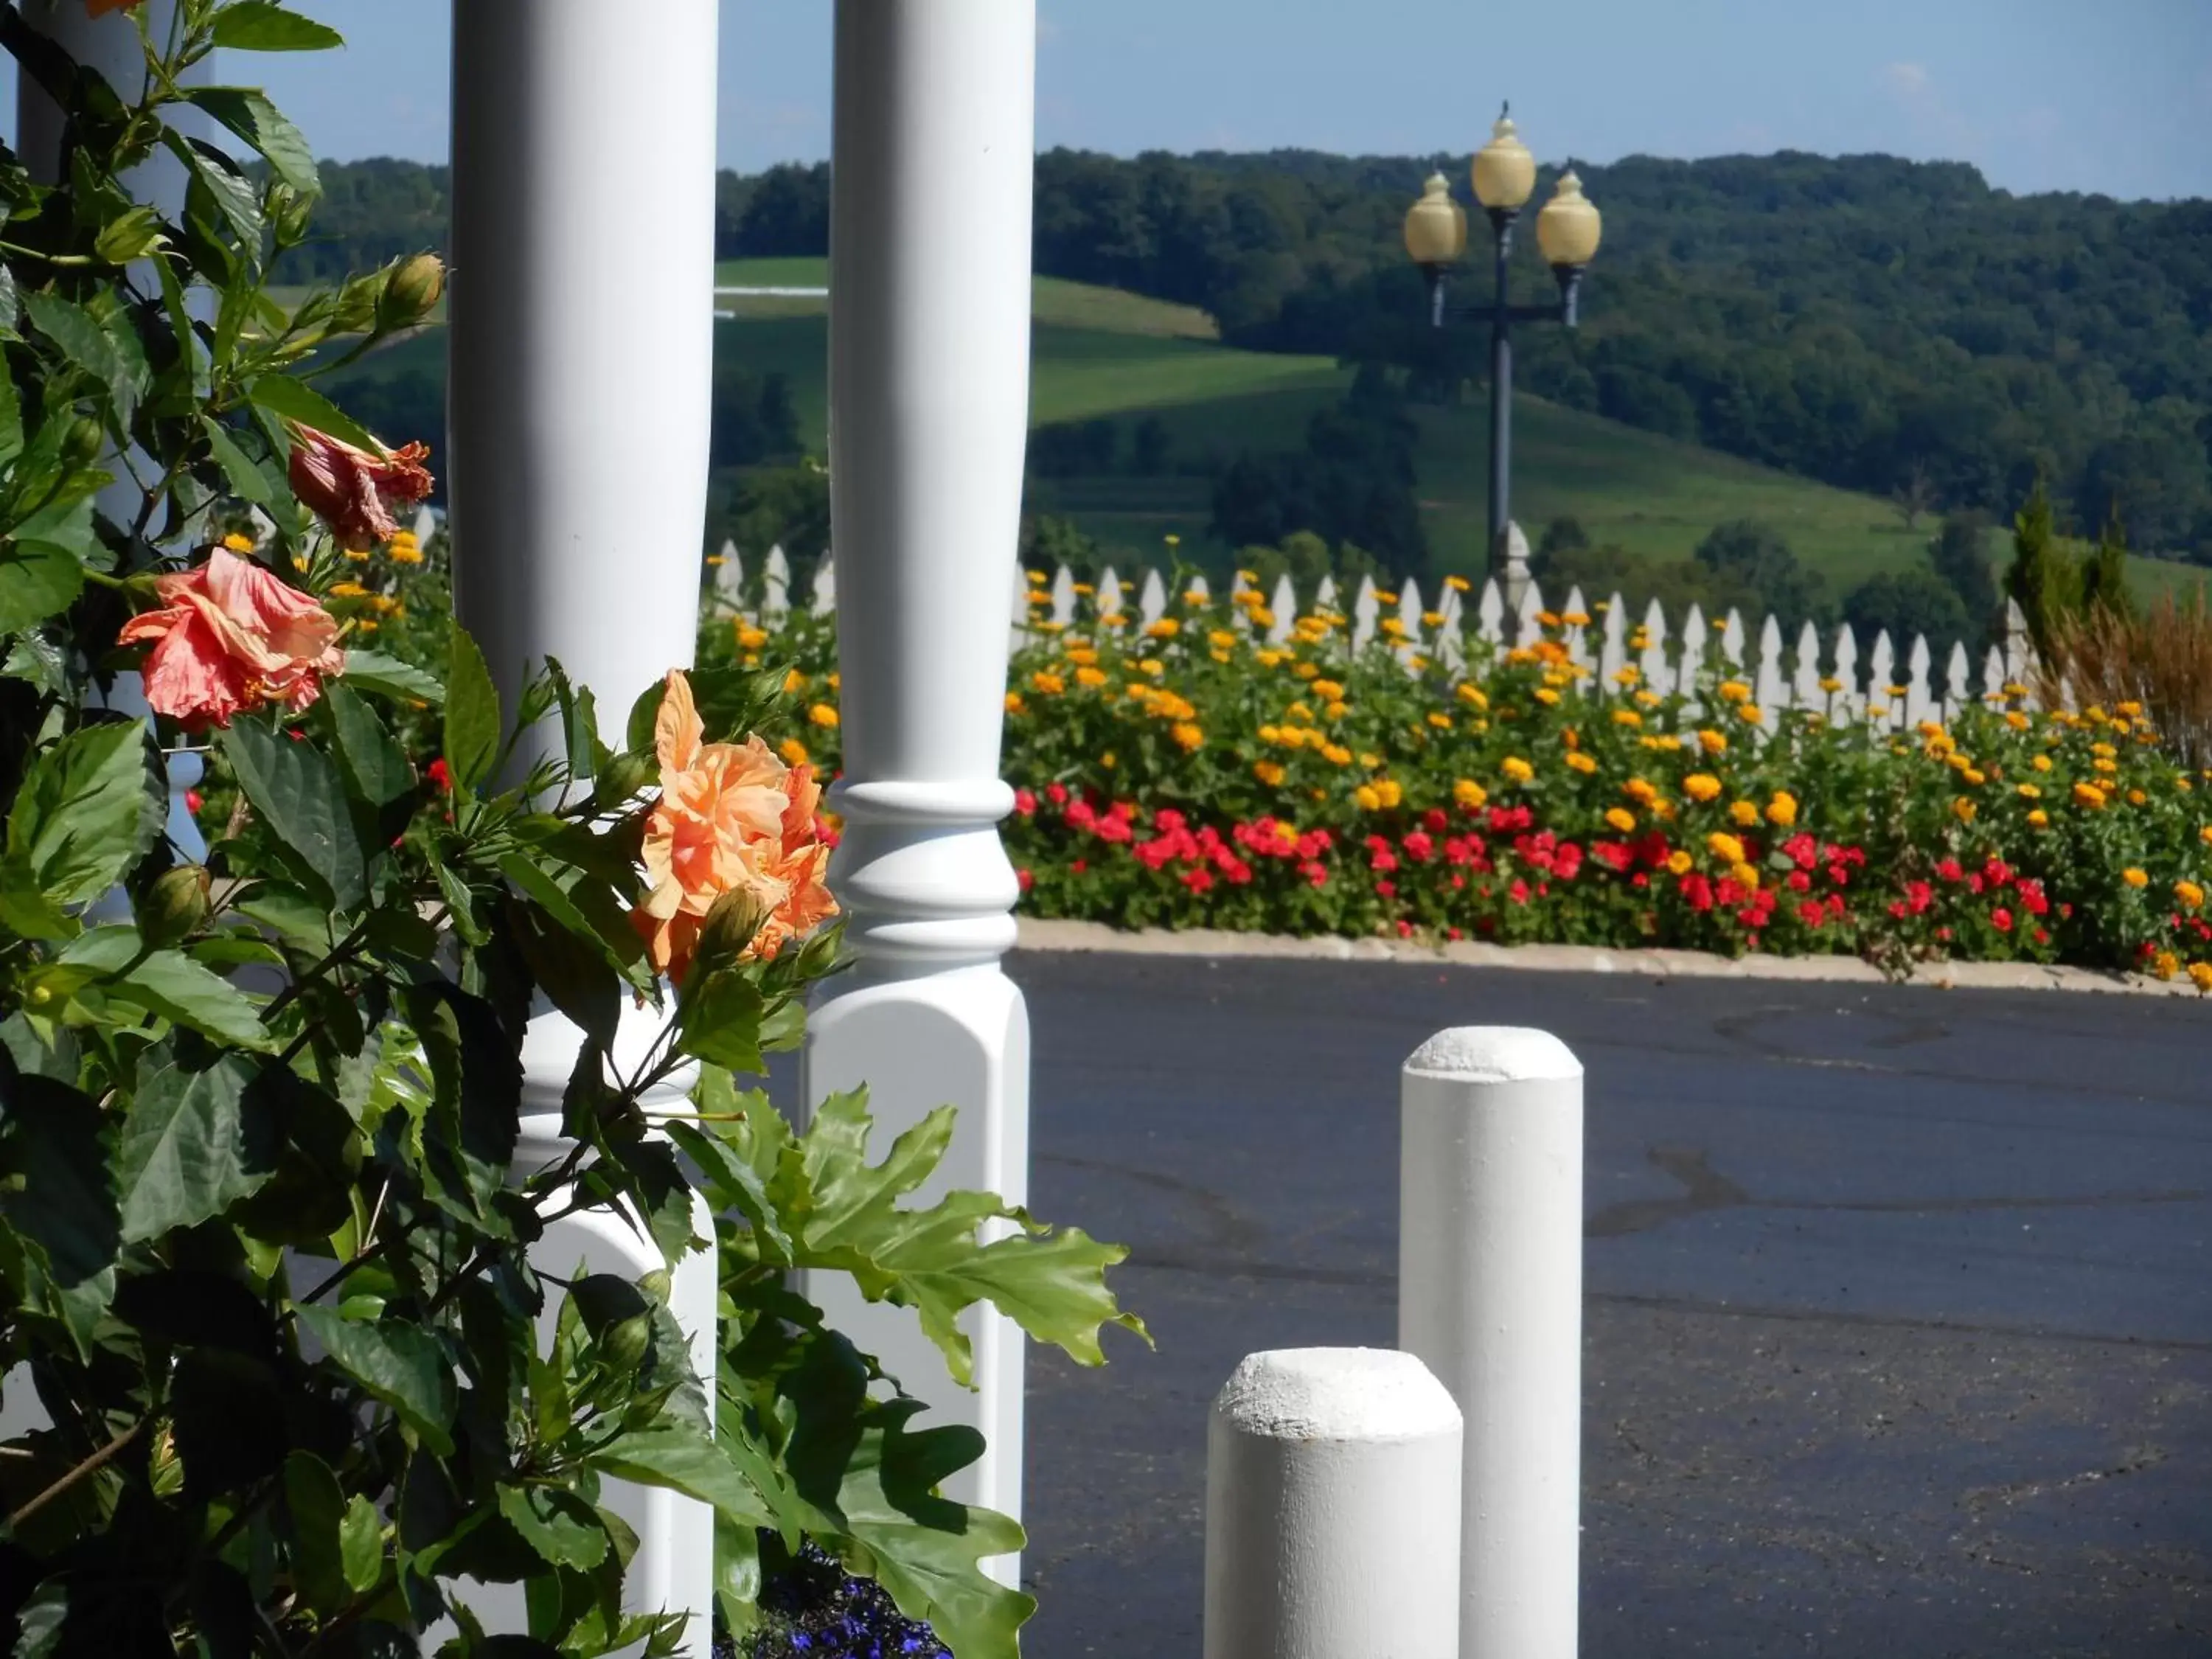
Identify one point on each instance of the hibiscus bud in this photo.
(360, 303)
(174, 905)
(656, 1285)
(625, 1342)
(82, 445)
(411, 289)
(623, 776)
(733, 923)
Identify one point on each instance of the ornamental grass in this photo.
(1190, 774)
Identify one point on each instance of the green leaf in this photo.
(38, 580)
(403, 1365)
(295, 400)
(719, 1020)
(194, 1144)
(219, 183)
(559, 1525)
(169, 983)
(373, 760)
(247, 480)
(88, 810)
(361, 1545)
(683, 1459)
(300, 797)
(388, 676)
(88, 345)
(249, 114)
(60, 1195)
(133, 235)
(316, 1505)
(292, 912)
(471, 734)
(264, 26)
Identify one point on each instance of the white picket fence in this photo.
(1832, 676)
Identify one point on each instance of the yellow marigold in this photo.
(1221, 638)
(1628, 717)
(1165, 628)
(1724, 847)
(1639, 789)
(2135, 877)
(823, 714)
(750, 638)
(1336, 711)
(1544, 694)
(1458, 584)
(2017, 720)
(2200, 975)
(792, 751)
(2165, 965)
(1328, 690)
(1432, 619)
(1268, 772)
(1336, 754)
(2088, 795)
(1082, 655)
(1516, 769)
(1153, 666)
(1575, 618)
(2188, 895)
(2029, 792)
(1442, 722)
(1735, 691)
(1013, 703)
(1388, 789)
(1084, 588)
(1621, 818)
(1963, 809)
(1782, 809)
(1745, 812)
(2205, 834)
(1469, 793)
(1107, 761)
(1093, 677)
(1744, 876)
(1188, 734)
(1628, 674)
(2137, 797)
(1581, 763)
(1679, 862)
(1975, 777)
(1750, 712)
(1713, 743)
(1471, 694)
(2040, 819)
(1049, 684)
(1366, 799)
(2041, 763)
(1830, 684)
(1701, 785)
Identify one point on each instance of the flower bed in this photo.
(1188, 773)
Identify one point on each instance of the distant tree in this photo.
(1601, 571)
(2043, 580)
(1915, 495)
(1073, 450)
(1048, 543)
(1960, 554)
(1907, 603)
(778, 414)
(2105, 570)
(1149, 444)
(1353, 483)
(1756, 555)
(786, 505)
(786, 213)
(1562, 535)
(1305, 558)
(2156, 471)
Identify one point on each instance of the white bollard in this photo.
(1332, 1508)
(1490, 1287)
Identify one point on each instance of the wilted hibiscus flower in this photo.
(354, 490)
(732, 818)
(230, 638)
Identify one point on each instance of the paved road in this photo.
(1898, 1325)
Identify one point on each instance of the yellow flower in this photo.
(1516, 769)
(1336, 754)
(2200, 975)
(1084, 588)
(347, 590)
(1628, 674)
(792, 751)
(1388, 789)
(1963, 809)
(750, 638)
(2137, 797)
(1165, 628)
(1013, 703)
(2165, 965)
(1679, 862)
(1458, 584)
(2135, 877)
(1830, 684)
(2041, 763)
(793, 681)
(1749, 713)
(1442, 722)
(1268, 772)
(2188, 895)
(823, 715)
(1082, 655)
(1735, 691)
(2040, 819)
(1471, 694)
(235, 543)
(1724, 847)
(1545, 696)
(1221, 638)
(1367, 801)
(2088, 795)
(1975, 776)
(1581, 763)
(1712, 742)
(2205, 834)
(1090, 676)
(1744, 876)
(1270, 657)
(1336, 711)
(1153, 666)
(1621, 818)
(2029, 792)
(1188, 734)
(1107, 761)
(1432, 619)
(1626, 717)
(1469, 793)
(1745, 812)
(1575, 618)
(1782, 809)
(1393, 629)
(1639, 789)
(1701, 785)
(2017, 720)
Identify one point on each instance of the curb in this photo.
(1039, 934)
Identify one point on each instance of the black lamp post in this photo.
(1503, 175)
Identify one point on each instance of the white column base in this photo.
(962, 1038)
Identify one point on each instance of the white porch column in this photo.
(580, 392)
(929, 319)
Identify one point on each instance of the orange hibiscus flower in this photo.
(732, 817)
(229, 637)
(101, 8)
(354, 490)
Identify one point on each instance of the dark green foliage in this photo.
(2043, 580)
(1755, 556)
(1562, 567)
(2104, 574)
(1960, 554)
(1353, 483)
(1906, 603)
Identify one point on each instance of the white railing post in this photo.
(1490, 1287)
(579, 472)
(933, 140)
(1333, 1510)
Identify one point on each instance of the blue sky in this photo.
(2041, 94)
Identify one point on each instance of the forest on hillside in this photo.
(1890, 326)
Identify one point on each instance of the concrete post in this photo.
(579, 397)
(1333, 1510)
(1490, 1287)
(933, 134)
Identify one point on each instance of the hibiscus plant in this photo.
(287, 1368)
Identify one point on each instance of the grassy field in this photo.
(1101, 353)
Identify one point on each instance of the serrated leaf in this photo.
(169, 983)
(388, 676)
(246, 479)
(55, 1146)
(719, 1020)
(86, 344)
(249, 113)
(559, 1525)
(299, 795)
(38, 580)
(88, 811)
(264, 26)
(471, 733)
(295, 400)
(372, 758)
(403, 1365)
(194, 1143)
(684, 1460)
(223, 184)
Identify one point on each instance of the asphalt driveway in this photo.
(1899, 1322)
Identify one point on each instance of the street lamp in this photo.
(1503, 174)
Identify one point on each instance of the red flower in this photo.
(1568, 862)
(354, 490)
(1025, 880)
(1698, 891)
(1730, 891)
(1918, 896)
(1405, 928)
(1614, 855)
(1198, 880)
(1315, 871)
(1799, 882)
(1025, 803)
(436, 771)
(2001, 919)
(1434, 821)
(1418, 846)
(1800, 850)
(1386, 889)
(1167, 820)
(1518, 892)
(1057, 793)
(1949, 870)
(1996, 871)
(1078, 866)
(1813, 913)
(193, 802)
